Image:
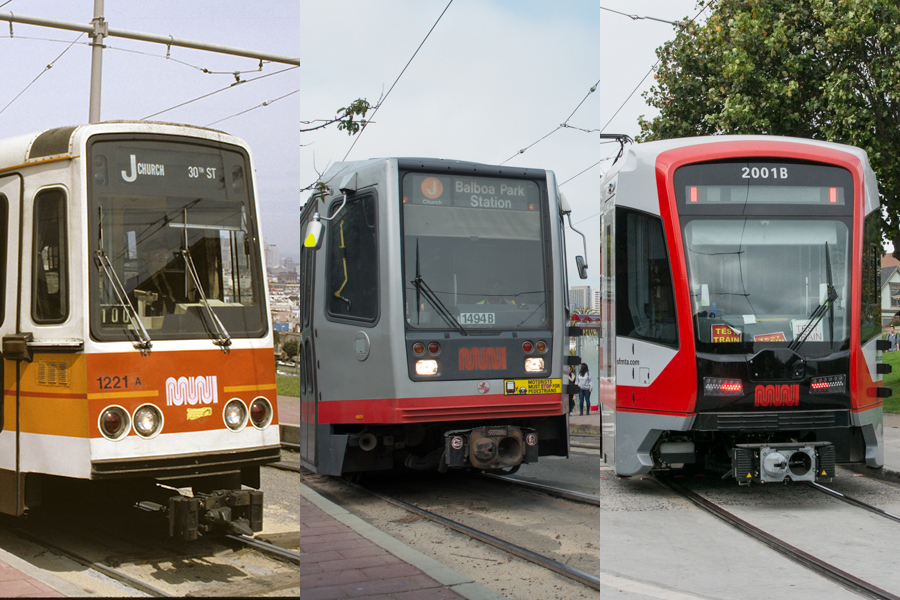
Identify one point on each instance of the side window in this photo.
(870, 303)
(49, 279)
(645, 300)
(4, 228)
(353, 261)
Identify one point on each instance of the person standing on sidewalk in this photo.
(571, 382)
(894, 340)
(585, 386)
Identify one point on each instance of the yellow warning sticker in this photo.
(522, 387)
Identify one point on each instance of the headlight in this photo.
(260, 413)
(148, 421)
(534, 365)
(114, 422)
(235, 414)
(426, 367)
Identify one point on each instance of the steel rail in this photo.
(548, 489)
(587, 579)
(853, 501)
(268, 548)
(100, 567)
(827, 570)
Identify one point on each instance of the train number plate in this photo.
(476, 318)
(520, 387)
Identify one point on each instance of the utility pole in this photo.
(99, 30)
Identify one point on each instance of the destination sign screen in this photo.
(153, 167)
(470, 192)
(739, 183)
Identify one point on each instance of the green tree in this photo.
(821, 69)
(291, 348)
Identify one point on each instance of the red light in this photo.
(819, 386)
(832, 195)
(527, 346)
(532, 207)
(258, 412)
(693, 194)
(112, 422)
(434, 347)
(732, 387)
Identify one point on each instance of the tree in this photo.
(818, 69)
(291, 348)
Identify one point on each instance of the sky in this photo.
(493, 78)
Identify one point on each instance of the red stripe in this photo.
(24, 394)
(656, 412)
(446, 408)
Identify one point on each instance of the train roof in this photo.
(434, 164)
(59, 141)
(648, 151)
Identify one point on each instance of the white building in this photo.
(580, 296)
(271, 256)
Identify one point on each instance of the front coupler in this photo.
(224, 511)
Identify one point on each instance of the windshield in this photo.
(473, 253)
(157, 207)
(760, 280)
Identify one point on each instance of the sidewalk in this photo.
(349, 558)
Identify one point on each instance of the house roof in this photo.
(886, 274)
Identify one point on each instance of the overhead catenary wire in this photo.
(369, 120)
(47, 68)
(236, 83)
(621, 106)
(266, 103)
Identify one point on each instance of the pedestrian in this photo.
(571, 395)
(585, 387)
(894, 339)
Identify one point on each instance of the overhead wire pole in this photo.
(99, 30)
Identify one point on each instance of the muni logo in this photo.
(191, 390)
(777, 395)
(482, 359)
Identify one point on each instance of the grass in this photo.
(288, 385)
(892, 380)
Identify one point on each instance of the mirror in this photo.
(582, 267)
(314, 231)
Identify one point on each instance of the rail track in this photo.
(140, 562)
(577, 575)
(843, 578)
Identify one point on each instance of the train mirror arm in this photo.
(315, 230)
(143, 343)
(579, 260)
(222, 338)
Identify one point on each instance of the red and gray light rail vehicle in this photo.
(136, 345)
(742, 322)
(434, 318)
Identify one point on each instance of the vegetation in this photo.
(892, 380)
(807, 68)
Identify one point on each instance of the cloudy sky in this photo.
(494, 77)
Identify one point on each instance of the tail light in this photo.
(148, 421)
(260, 413)
(235, 414)
(114, 422)
(716, 386)
(830, 384)
(527, 347)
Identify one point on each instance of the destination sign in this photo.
(167, 168)
(470, 192)
(763, 183)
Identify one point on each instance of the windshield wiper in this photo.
(144, 343)
(819, 313)
(422, 289)
(221, 338)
